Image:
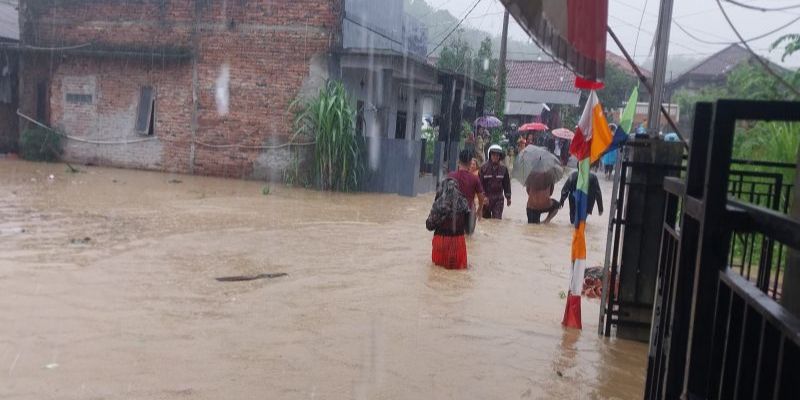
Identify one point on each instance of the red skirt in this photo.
(449, 251)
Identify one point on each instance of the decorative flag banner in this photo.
(592, 139)
(626, 119)
(573, 31)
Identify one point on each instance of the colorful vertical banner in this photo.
(592, 138)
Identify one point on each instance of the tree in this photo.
(618, 86)
(792, 44)
(457, 56)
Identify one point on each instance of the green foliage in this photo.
(496, 136)
(457, 56)
(792, 44)
(39, 144)
(769, 141)
(617, 89)
(338, 155)
(266, 190)
(466, 129)
(431, 136)
(746, 81)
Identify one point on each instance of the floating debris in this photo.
(175, 181)
(51, 366)
(242, 278)
(81, 241)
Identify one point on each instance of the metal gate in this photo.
(718, 330)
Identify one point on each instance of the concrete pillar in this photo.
(644, 217)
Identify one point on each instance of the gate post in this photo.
(651, 161)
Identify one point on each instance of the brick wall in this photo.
(267, 47)
(114, 86)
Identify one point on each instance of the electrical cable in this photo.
(758, 58)
(763, 9)
(454, 28)
(639, 29)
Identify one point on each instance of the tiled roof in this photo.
(722, 62)
(9, 21)
(623, 64)
(540, 75)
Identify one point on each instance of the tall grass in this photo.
(338, 155)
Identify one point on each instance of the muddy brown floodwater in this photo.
(108, 290)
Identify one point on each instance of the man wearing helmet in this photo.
(496, 183)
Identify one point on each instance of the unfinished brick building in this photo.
(189, 86)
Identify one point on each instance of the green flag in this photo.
(626, 119)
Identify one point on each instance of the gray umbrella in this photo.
(538, 160)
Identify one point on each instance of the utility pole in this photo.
(659, 67)
(501, 72)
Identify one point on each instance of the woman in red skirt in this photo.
(448, 221)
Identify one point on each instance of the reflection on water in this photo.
(136, 311)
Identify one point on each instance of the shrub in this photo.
(338, 154)
(39, 144)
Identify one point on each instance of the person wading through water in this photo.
(595, 195)
(540, 187)
(448, 221)
(470, 186)
(496, 182)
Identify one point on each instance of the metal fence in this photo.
(754, 256)
(718, 330)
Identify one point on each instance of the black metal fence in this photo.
(718, 330)
(756, 257)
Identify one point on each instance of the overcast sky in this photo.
(701, 18)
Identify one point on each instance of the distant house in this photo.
(623, 64)
(9, 61)
(393, 86)
(534, 88)
(713, 71)
(206, 87)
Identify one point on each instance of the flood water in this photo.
(108, 290)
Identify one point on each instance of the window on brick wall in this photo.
(77, 98)
(145, 114)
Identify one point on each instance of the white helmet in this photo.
(497, 148)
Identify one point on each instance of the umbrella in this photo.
(488, 121)
(535, 159)
(563, 133)
(534, 126)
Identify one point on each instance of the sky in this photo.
(700, 18)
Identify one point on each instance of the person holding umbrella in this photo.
(539, 170)
(496, 183)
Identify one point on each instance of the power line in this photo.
(763, 9)
(622, 21)
(761, 36)
(639, 29)
(455, 27)
(758, 58)
(439, 35)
